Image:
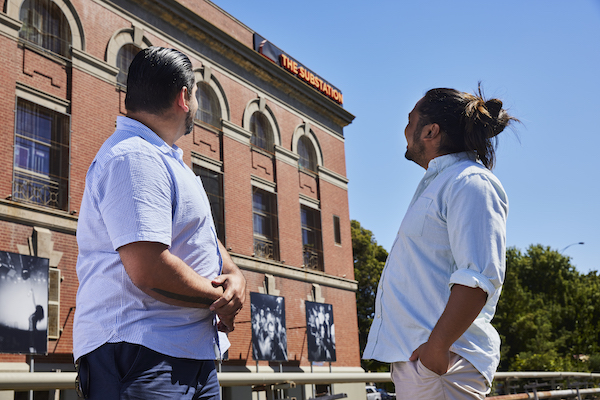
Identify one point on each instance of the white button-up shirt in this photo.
(138, 188)
(454, 232)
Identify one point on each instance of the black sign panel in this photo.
(320, 331)
(23, 304)
(269, 337)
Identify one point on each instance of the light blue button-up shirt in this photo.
(454, 232)
(139, 189)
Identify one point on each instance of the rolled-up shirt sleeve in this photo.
(477, 208)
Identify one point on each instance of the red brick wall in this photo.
(94, 111)
(337, 258)
(11, 61)
(95, 104)
(237, 190)
(290, 230)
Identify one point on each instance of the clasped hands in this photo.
(231, 302)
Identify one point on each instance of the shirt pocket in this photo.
(414, 220)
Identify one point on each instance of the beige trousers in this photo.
(462, 381)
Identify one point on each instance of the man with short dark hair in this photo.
(155, 282)
(439, 289)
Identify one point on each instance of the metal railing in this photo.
(264, 249)
(22, 381)
(38, 190)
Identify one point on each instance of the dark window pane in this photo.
(213, 186)
(41, 156)
(311, 237)
(307, 157)
(264, 210)
(209, 109)
(262, 135)
(45, 24)
(337, 234)
(125, 56)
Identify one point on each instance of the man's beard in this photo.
(416, 152)
(189, 123)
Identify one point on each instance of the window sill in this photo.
(32, 215)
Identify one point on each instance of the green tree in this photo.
(548, 314)
(369, 260)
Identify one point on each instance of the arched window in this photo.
(262, 134)
(45, 25)
(124, 58)
(306, 152)
(209, 110)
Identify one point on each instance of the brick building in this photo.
(268, 144)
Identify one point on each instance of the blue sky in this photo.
(542, 58)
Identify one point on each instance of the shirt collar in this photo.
(440, 163)
(436, 166)
(147, 134)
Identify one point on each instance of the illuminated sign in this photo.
(273, 53)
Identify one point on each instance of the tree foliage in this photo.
(549, 314)
(369, 260)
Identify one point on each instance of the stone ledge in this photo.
(26, 214)
(290, 272)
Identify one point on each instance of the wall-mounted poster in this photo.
(320, 331)
(23, 304)
(269, 337)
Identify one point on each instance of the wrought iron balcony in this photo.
(264, 248)
(39, 190)
(312, 259)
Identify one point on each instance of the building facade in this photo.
(268, 144)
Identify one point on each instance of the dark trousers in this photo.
(124, 371)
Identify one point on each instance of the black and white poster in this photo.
(269, 338)
(320, 331)
(23, 304)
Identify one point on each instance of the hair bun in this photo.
(494, 106)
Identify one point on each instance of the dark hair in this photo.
(156, 75)
(467, 122)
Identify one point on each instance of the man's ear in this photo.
(182, 99)
(431, 131)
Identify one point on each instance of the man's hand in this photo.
(436, 360)
(226, 324)
(234, 294)
(464, 304)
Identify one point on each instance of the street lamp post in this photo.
(572, 244)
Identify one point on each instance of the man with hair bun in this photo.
(155, 283)
(440, 286)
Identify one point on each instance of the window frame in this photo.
(54, 280)
(123, 74)
(269, 142)
(220, 198)
(37, 178)
(337, 230)
(312, 253)
(46, 39)
(261, 241)
(216, 116)
(309, 161)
